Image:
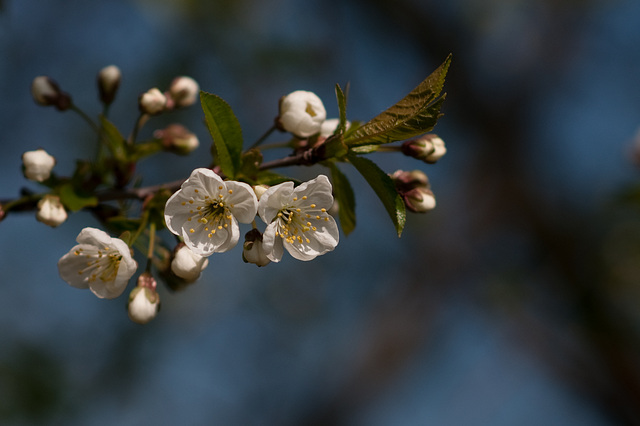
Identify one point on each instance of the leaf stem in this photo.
(263, 137)
(275, 145)
(143, 224)
(86, 118)
(389, 148)
(140, 121)
(152, 240)
(26, 202)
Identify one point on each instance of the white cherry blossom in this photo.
(100, 263)
(297, 220)
(302, 113)
(206, 210)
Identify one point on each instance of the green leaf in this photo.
(342, 108)
(74, 201)
(267, 177)
(384, 188)
(364, 149)
(225, 131)
(251, 161)
(113, 139)
(145, 149)
(346, 199)
(416, 114)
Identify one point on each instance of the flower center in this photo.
(215, 216)
(296, 224)
(309, 110)
(102, 264)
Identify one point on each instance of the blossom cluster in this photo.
(205, 212)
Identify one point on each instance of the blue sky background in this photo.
(456, 323)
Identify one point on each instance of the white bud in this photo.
(184, 91)
(43, 89)
(51, 211)
(37, 165)
(108, 83)
(144, 304)
(188, 265)
(152, 101)
(302, 113)
(177, 138)
(259, 190)
(420, 200)
(329, 126)
(253, 252)
(46, 92)
(428, 148)
(439, 150)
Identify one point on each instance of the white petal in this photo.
(318, 191)
(244, 201)
(70, 264)
(272, 244)
(94, 237)
(273, 200)
(175, 214)
(203, 245)
(128, 265)
(107, 290)
(321, 241)
(232, 239)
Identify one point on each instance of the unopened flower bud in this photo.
(259, 190)
(176, 138)
(301, 113)
(108, 83)
(51, 211)
(146, 280)
(188, 265)
(3, 213)
(183, 92)
(144, 304)
(37, 165)
(152, 102)
(46, 92)
(409, 180)
(252, 249)
(428, 148)
(419, 200)
(329, 126)
(415, 190)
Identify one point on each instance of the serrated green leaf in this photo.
(113, 139)
(225, 131)
(74, 201)
(384, 187)
(416, 114)
(346, 199)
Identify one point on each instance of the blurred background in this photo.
(514, 302)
